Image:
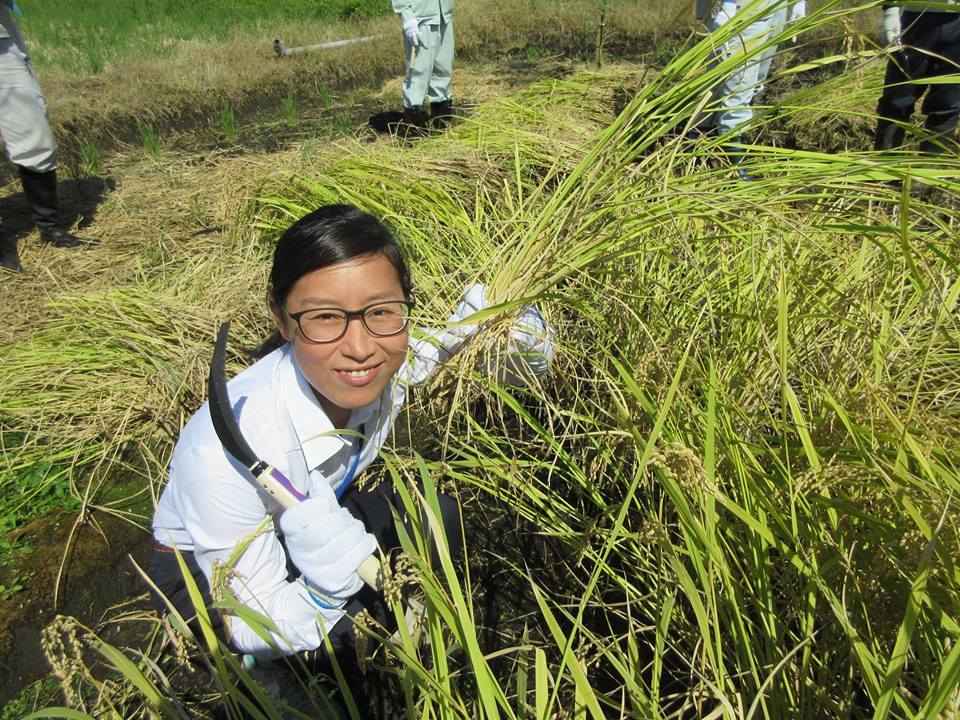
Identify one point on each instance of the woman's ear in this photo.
(280, 319)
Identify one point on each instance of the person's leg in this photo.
(941, 106)
(419, 59)
(735, 94)
(441, 104)
(375, 508)
(165, 573)
(778, 22)
(30, 143)
(900, 91)
(23, 112)
(23, 125)
(9, 257)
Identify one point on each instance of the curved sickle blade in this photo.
(221, 412)
(228, 432)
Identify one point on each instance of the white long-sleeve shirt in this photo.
(210, 506)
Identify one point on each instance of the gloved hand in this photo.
(798, 11)
(327, 544)
(724, 14)
(411, 29)
(890, 28)
(531, 348)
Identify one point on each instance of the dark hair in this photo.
(329, 235)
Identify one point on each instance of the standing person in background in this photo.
(428, 48)
(736, 93)
(29, 139)
(929, 48)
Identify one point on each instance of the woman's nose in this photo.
(357, 342)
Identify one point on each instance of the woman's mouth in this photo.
(360, 376)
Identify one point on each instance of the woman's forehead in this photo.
(351, 283)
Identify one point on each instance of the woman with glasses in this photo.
(318, 405)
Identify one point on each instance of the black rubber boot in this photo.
(441, 114)
(414, 124)
(41, 191)
(888, 136)
(942, 137)
(9, 259)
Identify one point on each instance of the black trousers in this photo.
(375, 509)
(931, 48)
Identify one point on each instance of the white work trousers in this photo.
(429, 64)
(23, 109)
(736, 93)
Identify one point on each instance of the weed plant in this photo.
(731, 498)
(91, 159)
(290, 109)
(150, 139)
(228, 123)
(325, 95)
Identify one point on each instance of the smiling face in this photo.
(353, 371)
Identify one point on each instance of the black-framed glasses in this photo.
(329, 324)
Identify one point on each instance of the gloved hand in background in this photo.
(530, 347)
(411, 29)
(890, 27)
(327, 544)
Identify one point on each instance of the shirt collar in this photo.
(315, 433)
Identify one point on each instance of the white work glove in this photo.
(724, 14)
(890, 28)
(327, 544)
(798, 11)
(474, 300)
(531, 348)
(411, 29)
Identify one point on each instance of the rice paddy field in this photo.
(731, 497)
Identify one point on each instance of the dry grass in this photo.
(181, 210)
(194, 81)
(180, 250)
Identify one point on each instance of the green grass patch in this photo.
(86, 38)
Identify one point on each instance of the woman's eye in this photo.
(325, 317)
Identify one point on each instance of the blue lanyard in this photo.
(348, 478)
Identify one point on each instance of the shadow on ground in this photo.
(79, 200)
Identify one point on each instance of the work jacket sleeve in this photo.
(405, 9)
(528, 351)
(238, 550)
(430, 11)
